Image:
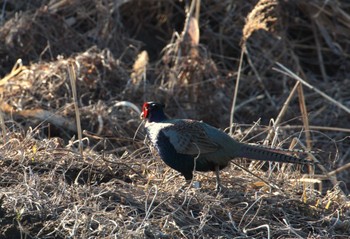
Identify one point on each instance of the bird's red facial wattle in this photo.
(145, 111)
(153, 112)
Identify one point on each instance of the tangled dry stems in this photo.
(117, 186)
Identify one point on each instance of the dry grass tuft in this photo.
(126, 52)
(262, 17)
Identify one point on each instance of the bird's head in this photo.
(153, 112)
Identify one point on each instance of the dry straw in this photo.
(120, 188)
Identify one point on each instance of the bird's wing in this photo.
(189, 137)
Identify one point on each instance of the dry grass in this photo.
(122, 54)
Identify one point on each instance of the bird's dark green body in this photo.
(188, 145)
(183, 163)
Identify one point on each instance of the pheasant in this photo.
(187, 145)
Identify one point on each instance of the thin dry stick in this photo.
(198, 8)
(305, 118)
(332, 177)
(186, 27)
(304, 114)
(284, 70)
(316, 127)
(267, 226)
(317, 178)
(251, 64)
(236, 92)
(189, 15)
(319, 53)
(302, 105)
(338, 170)
(260, 18)
(16, 69)
(3, 127)
(73, 78)
(282, 111)
(257, 176)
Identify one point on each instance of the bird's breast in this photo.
(153, 130)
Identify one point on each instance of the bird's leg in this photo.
(218, 181)
(188, 183)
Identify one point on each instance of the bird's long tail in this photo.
(269, 154)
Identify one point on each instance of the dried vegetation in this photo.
(121, 53)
